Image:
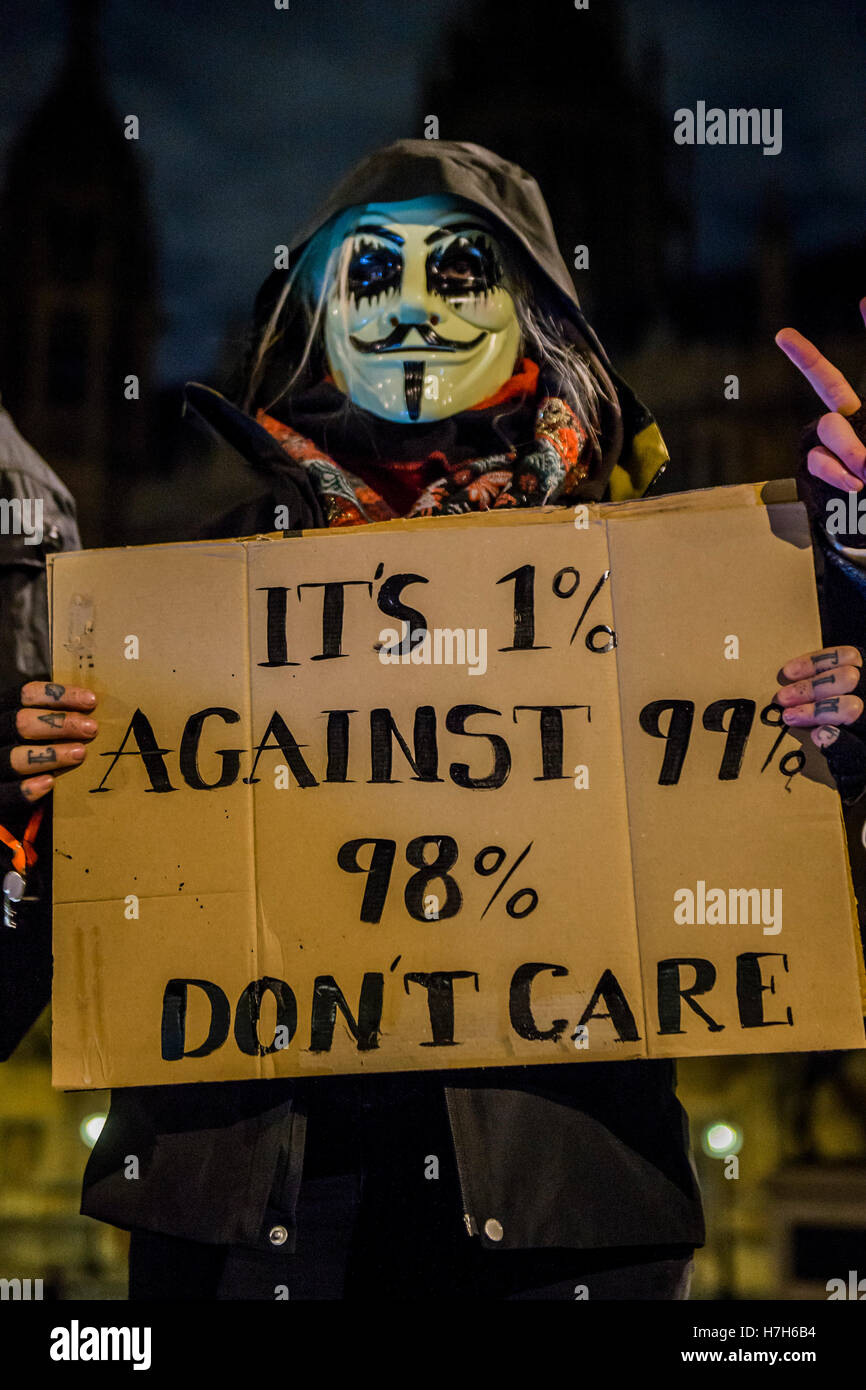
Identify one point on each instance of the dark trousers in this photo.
(352, 1248)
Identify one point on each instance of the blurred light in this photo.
(91, 1128)
(720, 1139)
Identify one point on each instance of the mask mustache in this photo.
(431, 339)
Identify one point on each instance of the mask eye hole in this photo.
(373, 269)
(463, 268)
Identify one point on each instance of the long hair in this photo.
(284, 347)
(285, 350)
(567, 370)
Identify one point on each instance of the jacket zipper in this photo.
(654, 479)
(468, 1218)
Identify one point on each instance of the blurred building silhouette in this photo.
(730, 405)
(560, 98)
(564, 100)
(79, 314)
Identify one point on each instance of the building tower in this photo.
(561, 96)
(78, 313)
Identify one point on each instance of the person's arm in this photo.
(34, 741)
(44, 732)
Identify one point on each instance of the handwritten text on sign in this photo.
(443, 796)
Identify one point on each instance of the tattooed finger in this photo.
(31, 724)
(25, 760)
(817, 663)
(840, 681)
(42, 693)
(35, 787)
(826, 735)
(836, 709)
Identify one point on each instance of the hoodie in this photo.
(633, 454)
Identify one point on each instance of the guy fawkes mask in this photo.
(419, 322)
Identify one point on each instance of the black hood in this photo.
(633, 453)
(423, 168)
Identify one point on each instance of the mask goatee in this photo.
(413, 380)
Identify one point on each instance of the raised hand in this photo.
(840, 458)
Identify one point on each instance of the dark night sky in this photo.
(248, 114)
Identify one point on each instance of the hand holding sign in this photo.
(821, 696)
(54, 720)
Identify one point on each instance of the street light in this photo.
(91, 1128)
(720, 1139)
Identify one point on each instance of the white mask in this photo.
(419, 323)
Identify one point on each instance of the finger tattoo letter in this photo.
(826, 659)
(824, 737)
(829, 706)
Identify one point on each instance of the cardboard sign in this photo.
(478, 791)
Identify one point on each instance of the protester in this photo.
(422, 353)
